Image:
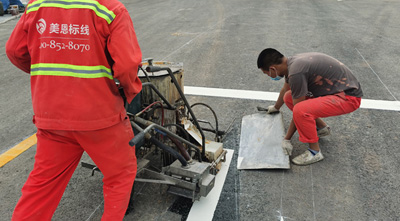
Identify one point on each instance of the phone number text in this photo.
(58, 46)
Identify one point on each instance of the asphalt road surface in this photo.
(218, 43)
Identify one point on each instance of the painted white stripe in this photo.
(204, 209)
(231, 93)
(380, 104)
(273, 96)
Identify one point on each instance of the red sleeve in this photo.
(126, 54)
(17, 47)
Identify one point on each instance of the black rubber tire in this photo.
(1, 9)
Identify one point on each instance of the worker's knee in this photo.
(287, 98)
(301, 111)
(129, 166)
(124, 173)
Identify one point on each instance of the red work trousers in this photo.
(57, 156)
(305, 112)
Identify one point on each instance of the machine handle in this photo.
(153, 68)
(137, 139)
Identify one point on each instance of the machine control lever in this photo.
(153, 68)
(137, 138)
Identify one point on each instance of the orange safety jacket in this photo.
(73, 50)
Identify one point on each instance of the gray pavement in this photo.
(218, 42)
(7, 17)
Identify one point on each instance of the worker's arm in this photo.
(279, 103)
(125, 51)
(292, 127)
(17, 47)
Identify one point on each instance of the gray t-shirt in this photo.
(315, 74)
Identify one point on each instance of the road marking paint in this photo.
(380, 104)
(273, 96)
(204, 209)
(17, 150)
(231, 93)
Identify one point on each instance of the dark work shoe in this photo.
(324, 131)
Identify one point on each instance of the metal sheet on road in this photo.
(260, 142)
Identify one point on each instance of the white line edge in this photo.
(203, 210)
(273, 96)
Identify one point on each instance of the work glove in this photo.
(270, 109)
(287, 147)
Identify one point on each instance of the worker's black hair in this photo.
(269, 57)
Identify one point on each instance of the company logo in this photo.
(41, 26)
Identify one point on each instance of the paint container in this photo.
(14, 10)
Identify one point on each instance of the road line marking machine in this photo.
(165, 125)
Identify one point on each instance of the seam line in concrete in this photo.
(97, 208)
(312, 191)
(281, 217)
(187, 43)
(376, 74)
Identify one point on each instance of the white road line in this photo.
(273, 96)
(204, 209)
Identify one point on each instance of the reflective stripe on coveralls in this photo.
(99, 9)
(71, 70)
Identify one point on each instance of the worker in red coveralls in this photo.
(316, 86)
(74, 51)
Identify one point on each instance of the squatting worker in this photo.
(73, 52)
(316, 86)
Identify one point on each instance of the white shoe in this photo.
(324, 131)
(307, 158)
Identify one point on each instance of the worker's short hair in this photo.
(269, 57)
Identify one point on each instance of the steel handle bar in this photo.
(203, 139)
(150, 126)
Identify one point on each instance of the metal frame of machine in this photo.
(163, 120)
